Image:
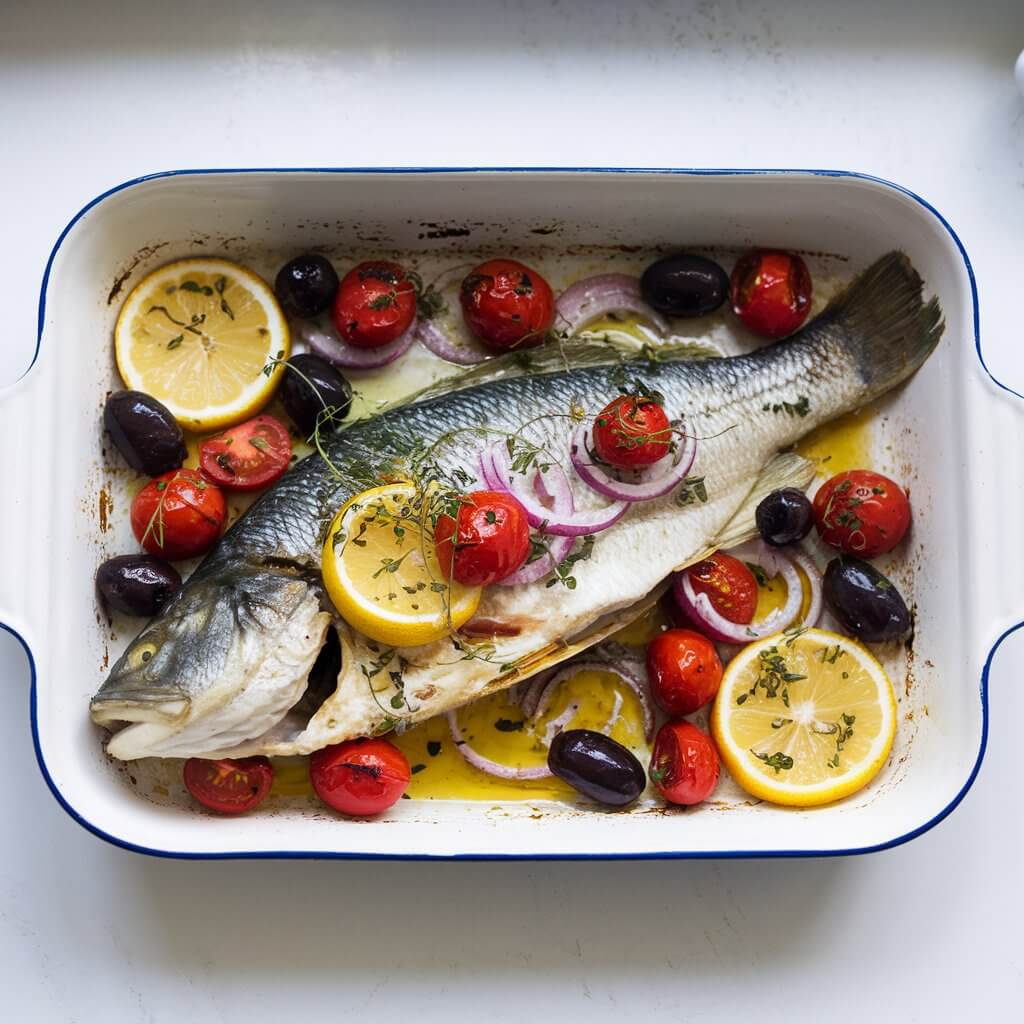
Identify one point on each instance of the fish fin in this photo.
(887, 327)
(561, 355)
(787, 469)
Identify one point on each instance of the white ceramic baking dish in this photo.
(944, 433)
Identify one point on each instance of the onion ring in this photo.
(431, 337)
(325, 342)
(597, 296)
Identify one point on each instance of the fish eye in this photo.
(142, 654)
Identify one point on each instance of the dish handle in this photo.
(18, 527)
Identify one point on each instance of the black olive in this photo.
(145, 432)
(304, 373)
(306, 286)
(866, 603)
(684, 285)
(597, 766)
(137, 584)
(784, 517)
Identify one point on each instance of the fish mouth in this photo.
(140, 705)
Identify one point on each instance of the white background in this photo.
(924, 94)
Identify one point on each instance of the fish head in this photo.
(194, 645)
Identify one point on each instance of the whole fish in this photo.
(225, 669)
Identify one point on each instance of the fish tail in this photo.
(887, 327)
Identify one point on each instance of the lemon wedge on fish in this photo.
(383, 575)
(805, 717)
(196, 334)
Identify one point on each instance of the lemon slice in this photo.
(804, 717)
(196, 334)
(383, 575)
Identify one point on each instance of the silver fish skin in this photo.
(219, 670)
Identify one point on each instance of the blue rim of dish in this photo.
(661, 855)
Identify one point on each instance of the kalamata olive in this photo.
(597, 766)
(137, 584)
(684, 285)
(304, 404)
(145, 432)
(865, 602)
(784, 517)
(306, 285)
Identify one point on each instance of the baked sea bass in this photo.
(235, 664)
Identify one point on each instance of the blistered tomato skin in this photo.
(684, 285)
(375, 304)
(684, 763)
(684, 671)
(784, 517)
(314, 392)
(631, 432)
(360, 777)
(178, 515)
(507, 305)
(729, 584)
(137, 584)
(306, 285)
(144, 432)
(492, 542)
(862, 513)
(597, 766)
(865, 602)
(771, 292)
(229, 786)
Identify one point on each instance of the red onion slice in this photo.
(774, 562)
(431, 337)
(325, 342)
(571, 524)
(595, 297)
(652, 482)
(534, 688)
(485, 764)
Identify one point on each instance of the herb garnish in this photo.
(801, 407)
(779, 761)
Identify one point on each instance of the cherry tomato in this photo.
(631, 432)
(684, 763)
(684, 670)
(861, 513)
(178, 515)
(249, 456)
(359, 777)
(229, 786)
(375, 304)
(507, 305)
(493, 539)
(771, 292)
(730, 585)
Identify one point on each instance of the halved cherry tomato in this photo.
(493, 539)
(375, 304)
(178, 515)
(249, 456)
(631, 432)
(730, 585)
(684, 670)
(229, 786)
(507, 305)
(684, 763)
(771, 292)
(861, 513)
(360, 777)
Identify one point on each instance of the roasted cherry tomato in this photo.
(729, 584)
(375, 304)
(684, 763)
(360, 777)
(684, 670)
(771, 292)
(249, 456)
(178, 515)
(493, 539)
(229, 786)
(861, 513)
(507, 305)
(631, 432)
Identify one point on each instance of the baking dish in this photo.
(952, 423)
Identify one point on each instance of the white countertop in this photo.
(924, 96)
